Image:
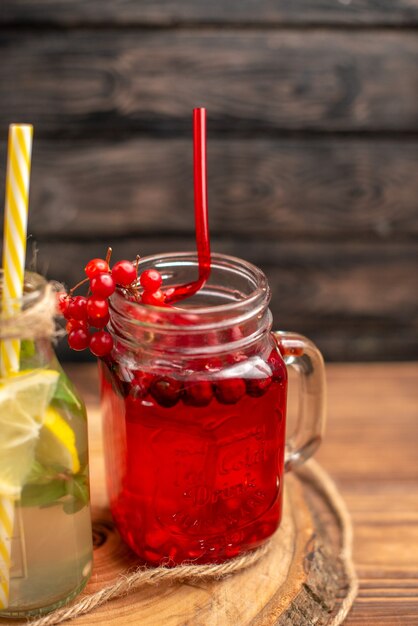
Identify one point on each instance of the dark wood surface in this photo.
(89, 82)
(351, 188)
(313, 146)
(370, 449)
(168, 12)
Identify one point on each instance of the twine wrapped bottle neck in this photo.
(33, 317)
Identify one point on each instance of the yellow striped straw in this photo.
(14, 254)
(7, 514)
(15, 233)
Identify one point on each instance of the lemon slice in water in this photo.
(56, 446)
(24, 398)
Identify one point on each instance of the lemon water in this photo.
(44, 471)
(51, 558)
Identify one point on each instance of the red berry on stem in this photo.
(78, 339)
(77, 308)
(151, 280)
(74, 324)
(101, 343)
(95, 267)
(155, 299)
(102, 285)
(98, 322)
(97, 309)
(124, 273)
(62, 302)
(230, 390)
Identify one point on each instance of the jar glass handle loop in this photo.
(300, 354)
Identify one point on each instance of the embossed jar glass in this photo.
(194, 409)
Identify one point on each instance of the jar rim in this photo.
(256, 300)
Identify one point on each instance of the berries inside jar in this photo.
(185, 431)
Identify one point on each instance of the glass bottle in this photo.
(194, 409)
(45, 534)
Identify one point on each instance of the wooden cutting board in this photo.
(296, 584)
(300, 581)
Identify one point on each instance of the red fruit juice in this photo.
(195, 462)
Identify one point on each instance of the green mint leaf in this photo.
(78, 488)
(66, 395)
(73, 506)
(43, 495)
(39, 474)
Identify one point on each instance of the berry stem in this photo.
(82, 282)
(108, 255)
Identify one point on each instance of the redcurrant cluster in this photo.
(84, 314)
(87, 316)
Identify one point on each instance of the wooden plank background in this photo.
(169, 12)
(313, 146)
(103, 82)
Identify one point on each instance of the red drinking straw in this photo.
(200, 210)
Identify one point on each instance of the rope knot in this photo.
(34, 316)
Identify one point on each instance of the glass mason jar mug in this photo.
(194, 408)
(45, 526)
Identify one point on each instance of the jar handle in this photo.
(302, 355)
